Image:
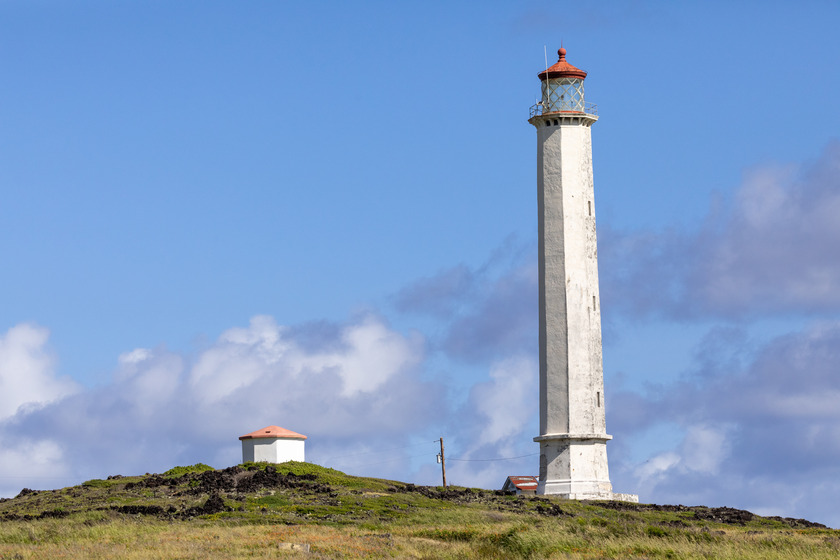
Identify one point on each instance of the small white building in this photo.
(273, 444)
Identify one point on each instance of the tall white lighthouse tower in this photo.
(573, 433)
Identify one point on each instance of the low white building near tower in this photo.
(273, 444)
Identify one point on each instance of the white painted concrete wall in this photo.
(272, 450)
(573, 455)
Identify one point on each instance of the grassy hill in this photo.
(301, 510)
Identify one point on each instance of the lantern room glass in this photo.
(562, 94)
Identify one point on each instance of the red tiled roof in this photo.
(273, 432)
(562, 69)
(524, 482)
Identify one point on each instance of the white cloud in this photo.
(134, 357)
(441, 295)
(240, 357)
(374, 355)
(30, 463)
(483, 314)
(806, 405)
(497, 426)
(762, 434)
(367, 355)
(704, 449)
(779, 248)
(357, 381)
(27, 371)
(28, 383)
(700, 454)
(145, 377)
(763, 198)
(776, 252)
(656, 467)
(505, 404)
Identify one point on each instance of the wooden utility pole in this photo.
(442, 463)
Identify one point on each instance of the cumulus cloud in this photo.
(776, 251)
(701, 453)
(773, 423)
(486, 317)
(27, 371)
(759, 421)
(505, 403)
(498, 423)
(503, 323)
(484, 314)
(27, 463)
(361, 390)
(441, 295)
(161, 408)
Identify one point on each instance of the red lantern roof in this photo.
(273, 432)
(562, 69)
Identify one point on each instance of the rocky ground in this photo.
(194, 494)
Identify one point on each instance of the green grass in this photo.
(326, 475)
(197, 512)
(181, 471)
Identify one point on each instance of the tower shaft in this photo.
(573, 452)
(571, 370)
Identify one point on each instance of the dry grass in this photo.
(148, 538)
(349, 517)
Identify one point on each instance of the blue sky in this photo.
(216, 216)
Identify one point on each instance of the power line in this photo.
(437, 441)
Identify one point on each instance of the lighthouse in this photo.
(573, 434)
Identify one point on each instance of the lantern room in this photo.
(562, 87)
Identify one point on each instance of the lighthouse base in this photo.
(575, 467)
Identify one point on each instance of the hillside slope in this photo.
(303, 510)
